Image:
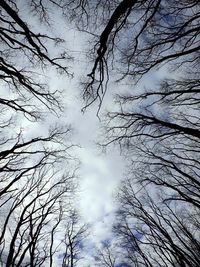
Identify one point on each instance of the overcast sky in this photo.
(100, 173)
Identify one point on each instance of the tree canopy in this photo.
(147, 50)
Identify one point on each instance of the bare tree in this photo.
(37, 177)
(155, 231)
(155, 125)
(142, 35)
(106, 255)
(35, 198)
(74, 235)
(20, 41)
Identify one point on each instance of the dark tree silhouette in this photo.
(144, 35)
(23, 52)
(74, 235)
(155, 231)
(106, 255)
(156, 123)
(37, 172)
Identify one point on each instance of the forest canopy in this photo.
(147, 53)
